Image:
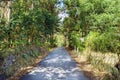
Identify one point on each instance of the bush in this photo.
(105, 42)
(75, 41)
(59, 39)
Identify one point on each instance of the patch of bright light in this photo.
(50, 71)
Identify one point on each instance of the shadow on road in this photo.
(58, 65)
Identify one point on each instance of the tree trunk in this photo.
(6, 10)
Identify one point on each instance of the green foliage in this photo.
(105, 42)
(25, 56)
(30, 21)
(33, 22)
(93, 14)
(36, 21)
(91, 37)
(59, 39)
(99, 16)
(75, 41)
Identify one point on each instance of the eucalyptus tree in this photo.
(31, 20)
(91, 15)
(6, 9)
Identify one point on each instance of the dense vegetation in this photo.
(92, 17)
(32, 23)
(93, 24)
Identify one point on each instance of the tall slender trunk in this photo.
(6, 10)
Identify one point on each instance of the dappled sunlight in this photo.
(57, 59)
(52, 72)
(30, 29)
(58, 65)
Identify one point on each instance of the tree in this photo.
(6, 10)
(30, 21)
(91, 15)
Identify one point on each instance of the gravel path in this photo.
(58, 65)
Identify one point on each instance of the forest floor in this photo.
(83, 65)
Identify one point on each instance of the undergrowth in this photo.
(104, 64)
(24, 56)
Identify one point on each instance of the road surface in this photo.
(58, 65)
